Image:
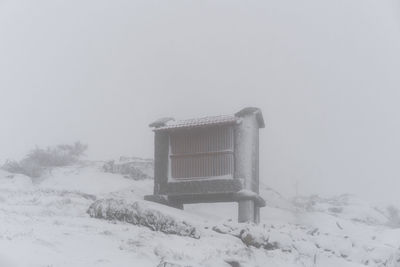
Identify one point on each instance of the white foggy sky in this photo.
(325, 74)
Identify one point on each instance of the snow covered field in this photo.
(46, 223)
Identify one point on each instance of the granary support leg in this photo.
(246, 211)
(257, 215)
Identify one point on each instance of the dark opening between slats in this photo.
(206, 152)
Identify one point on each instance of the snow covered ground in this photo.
(46, 223)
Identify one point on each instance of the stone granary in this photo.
(207, 160)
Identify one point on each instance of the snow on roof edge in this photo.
(171, 124)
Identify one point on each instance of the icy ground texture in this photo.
(46, 224)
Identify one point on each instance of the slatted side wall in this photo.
(202, 153)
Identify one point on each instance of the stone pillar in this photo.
(246, 211)
(161, 152)
(246, 164)
(257, 215)
(161, 171)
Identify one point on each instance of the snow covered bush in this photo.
(25, 167)
(131, 167)
(152, 216)
(59, 156)
(128, 170)
(38, 160)
(12, 166)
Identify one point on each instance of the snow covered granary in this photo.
(210, 159)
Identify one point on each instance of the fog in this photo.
(324, 73)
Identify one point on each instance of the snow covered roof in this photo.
(198, 122)
(171, 124)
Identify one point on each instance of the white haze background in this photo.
(325, 73)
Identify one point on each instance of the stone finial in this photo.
(252, 110)
(160, 122)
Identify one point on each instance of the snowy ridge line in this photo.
(48, 191)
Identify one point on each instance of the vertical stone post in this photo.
(246, 211)
(161, 167)
(246, 164)
(161, 152)
(257, 215)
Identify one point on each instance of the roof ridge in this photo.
(199, 122)
(207, 117)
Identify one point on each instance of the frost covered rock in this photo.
(251, 235)
(153, 216)
(170, 264)
(345, 206)
(310, 246)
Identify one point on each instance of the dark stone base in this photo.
(201, 187)
(221, 197)
(177, 201)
